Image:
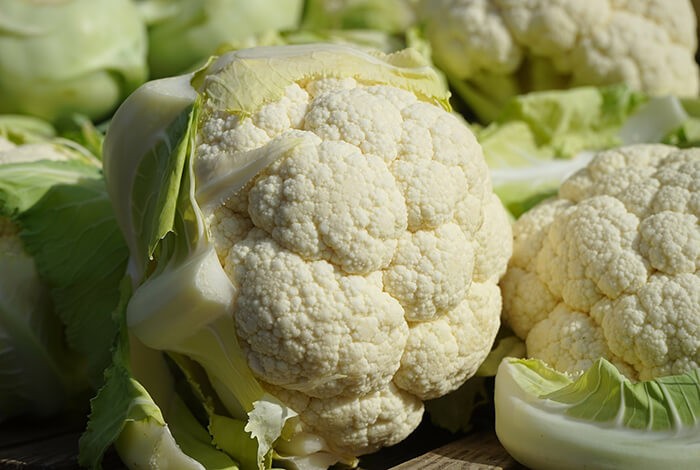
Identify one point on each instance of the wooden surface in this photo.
(474, 451)
(43, 445)
(53, 444)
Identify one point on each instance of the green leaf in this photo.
(149, 426)
(20, 129)
(225, 433)
(183, 34)
(39, 374)
(523, 172)
(541, 138)
(68, 227)
(600, 419)
(83, 131)
(23, 184)
(73, 237)
(393, 16)
(603, 394)
(113, 402)
(485, 97)
(455, 410)
(230, 436)
(506, 345)
(149, 128)
(265, 72)
(570, 121)
(157, 184)
(196, 442)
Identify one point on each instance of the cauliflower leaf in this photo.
(547, 419)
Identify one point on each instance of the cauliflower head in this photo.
(366, 260)
(507, 47)
(364, 254)
(611, 266)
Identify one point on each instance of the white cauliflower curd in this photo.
(611, 266)
(351, 222)
(500, 48)
(363, 264)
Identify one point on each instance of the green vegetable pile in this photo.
(290, 234)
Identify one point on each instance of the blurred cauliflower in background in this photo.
(494, 49)
(182, 34)
(70, 57)
(390, 16)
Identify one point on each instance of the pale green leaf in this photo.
(265, 72)
(600, 419)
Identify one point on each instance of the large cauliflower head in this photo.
(611, 266)
(365, 258)
(649, 45)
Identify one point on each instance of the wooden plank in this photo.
(50, 444)
(19, 431)
(55, 452)
(477, 451)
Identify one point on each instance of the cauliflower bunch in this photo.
(611, 266)
(351, 221)
(500, 48)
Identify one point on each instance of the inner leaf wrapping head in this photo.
(264, 73)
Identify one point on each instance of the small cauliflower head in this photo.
(366, 257)
(507, 47)
(611, 266)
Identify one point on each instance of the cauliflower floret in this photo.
(441, 354)
(308, 326)
(568, 338)
(366, 120)
(657, 329)
(431, 272)
(638, 50)
(613, 263)
(358, 425)
(365, 261)
(508, 47)
(354, 223)
(438, 187)
(225, 136)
